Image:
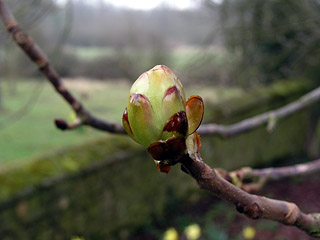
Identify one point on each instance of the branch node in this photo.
(292, 215)
(207, 172)
(252, 211)
(61, 124)
(20, 37)
(272, 122)
(239, 207)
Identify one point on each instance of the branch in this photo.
(252, 180)
(264, 118)
(41, 60)
(253, 206)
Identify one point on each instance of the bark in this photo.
(253, 206)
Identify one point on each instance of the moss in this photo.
(66, 161)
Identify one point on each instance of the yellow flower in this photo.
(171, 234)
(193, 231)
(249, 232)
(77, 238)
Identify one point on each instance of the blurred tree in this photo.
(275, 39)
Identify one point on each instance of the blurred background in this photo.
(243, 57)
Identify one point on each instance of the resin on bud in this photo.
(159, 117)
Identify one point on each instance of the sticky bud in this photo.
(159, 117)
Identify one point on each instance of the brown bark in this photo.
(253, 206)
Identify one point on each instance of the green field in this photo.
(26, 126)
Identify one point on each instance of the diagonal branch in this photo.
(253, 206)
(252, 180)
(41, 60)
(264, 118)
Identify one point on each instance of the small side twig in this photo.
(285, 172)
(252, 180)
(40, 59)
(253, 206)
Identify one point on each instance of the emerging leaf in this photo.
(194, 110)
(193, 143)
(141, 120)
(172, 102)
(170, 149)
(126, 124)
(177, 125)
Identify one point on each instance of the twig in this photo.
(41, 60)
(252, 180)
(264, 118)
(290, 171)
(253, 206)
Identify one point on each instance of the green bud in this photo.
(159, 117)
(155, 97)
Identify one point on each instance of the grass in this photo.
(27, 129)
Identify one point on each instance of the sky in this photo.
(147, 4)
